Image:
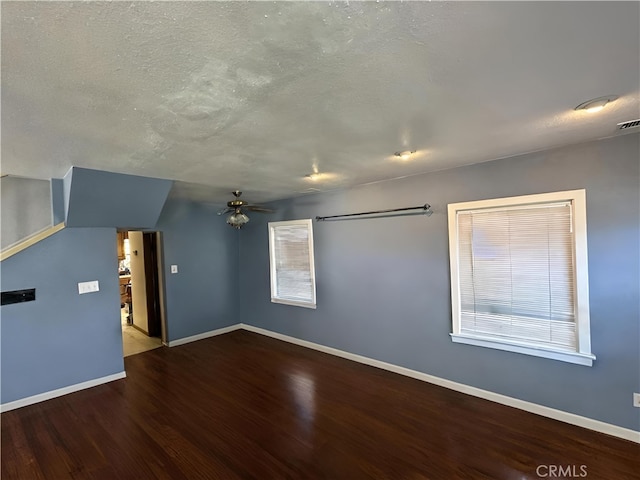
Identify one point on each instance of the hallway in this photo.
(133, 340)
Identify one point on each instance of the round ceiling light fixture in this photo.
(321, 176)
(237, 219)
(405, 155)
(596, 104)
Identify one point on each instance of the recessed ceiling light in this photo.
(405, 155)
(320, 176)
(596, 104)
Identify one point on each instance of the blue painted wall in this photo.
(383, 285)
(203, 295)
(62, 338)
(104, 199)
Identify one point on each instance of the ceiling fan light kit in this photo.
(238, 218)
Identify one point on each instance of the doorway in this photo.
(141, 292)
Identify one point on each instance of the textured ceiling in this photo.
(256, 95)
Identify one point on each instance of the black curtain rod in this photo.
(424, 207)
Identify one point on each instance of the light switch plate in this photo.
(636, 400)
(88, 287)
(174, 268)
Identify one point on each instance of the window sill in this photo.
(570, 357)
(294, 303)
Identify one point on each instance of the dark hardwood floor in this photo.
(246, 406)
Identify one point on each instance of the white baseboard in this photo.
(41, 397)
(202, 336)
(560, 415)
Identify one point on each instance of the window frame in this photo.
(272, 263)
(577, 198)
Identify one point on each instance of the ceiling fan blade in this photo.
(226, 210)
(258, 208)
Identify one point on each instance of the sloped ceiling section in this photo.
(95, 198)
(256, 95)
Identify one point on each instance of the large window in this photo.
(292, 270)
(519, 275)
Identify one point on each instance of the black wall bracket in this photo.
(18, 296)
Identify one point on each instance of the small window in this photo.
(519, 277)
(291, 261)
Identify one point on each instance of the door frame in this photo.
(158, 271)
(162, 294)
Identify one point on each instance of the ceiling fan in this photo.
(237, 218)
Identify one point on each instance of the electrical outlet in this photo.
(174, 268)
(88, 287)
(636, 400)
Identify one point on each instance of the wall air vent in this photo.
(629, 124)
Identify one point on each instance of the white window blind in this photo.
(516, 274)
(292, 269)
(518, 265)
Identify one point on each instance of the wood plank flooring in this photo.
(244, 406)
